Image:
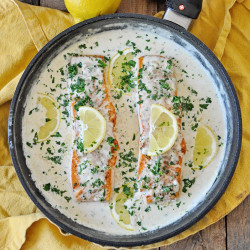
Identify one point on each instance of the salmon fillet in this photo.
(159, 177)
(91, 173)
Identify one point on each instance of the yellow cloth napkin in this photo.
(223, 25)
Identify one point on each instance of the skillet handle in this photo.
(182, 12)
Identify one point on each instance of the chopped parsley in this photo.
(83, 166)
(187, 184)
(208, 100)
(80, 146)
(72, 70)
(178, 204)
(170, 63)
(164, 84)
(203, 106)
(34, 109)
(95, 170)
(111, 141)
(79, 86)
(136, 50)
(163, 123)
(118, 96)
(101, 64)
(67, 198)
(186, 104)
(57, 134)
(29, 144)
(146, 179)
(133, 137)
(128, 191)
(165, 189)
(82, 102)
(55, 159)
(129, 157)
(47, 186)
(82, 46)
(97, 183)
(156, 170)
(35, 138)
(183, 102)
(131, 63)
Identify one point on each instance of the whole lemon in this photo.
(85, 9)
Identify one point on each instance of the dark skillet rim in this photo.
(238, 130)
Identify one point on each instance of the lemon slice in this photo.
(53, 116)
(119, 211)
(94, 128)
(163, 130)
(206, 146)
(120, 74)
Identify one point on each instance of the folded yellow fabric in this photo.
(223, 25)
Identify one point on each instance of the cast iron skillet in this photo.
(206, 59)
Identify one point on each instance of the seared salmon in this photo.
(159, 177)
(91, 173)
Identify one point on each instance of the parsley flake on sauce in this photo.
(187, 184)
(47, 186)
(57, 134)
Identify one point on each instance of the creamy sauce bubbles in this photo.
(193, 81)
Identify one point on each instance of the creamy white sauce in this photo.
(97, 215)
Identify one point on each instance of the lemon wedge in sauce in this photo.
(52, 119)
(119, 209)
(120, 71)
(206, 147)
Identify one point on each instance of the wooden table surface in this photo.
(231, 232)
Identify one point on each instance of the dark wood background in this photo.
(231, 232)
